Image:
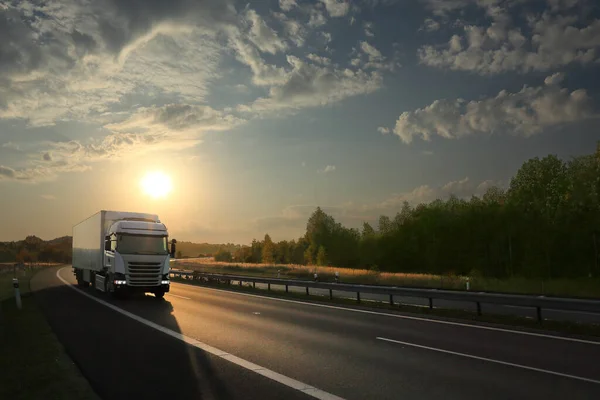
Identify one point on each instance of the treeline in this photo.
(545, 225)
(34, 249)
(189, 249)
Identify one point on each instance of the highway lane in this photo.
(338, 351)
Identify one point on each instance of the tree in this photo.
(223, 256)
(268, 250)
(321, 257)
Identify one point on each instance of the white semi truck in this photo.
(122, 252)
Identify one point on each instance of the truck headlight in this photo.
(164, 282)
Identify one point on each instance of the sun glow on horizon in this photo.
(156, 184)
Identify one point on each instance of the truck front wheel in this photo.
(159, 294)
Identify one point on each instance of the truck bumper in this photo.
(142, 289)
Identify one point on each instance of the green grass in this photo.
(6, 284)
(33, 363)
(564, 327)
(580, 287)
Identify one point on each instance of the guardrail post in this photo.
(240, 283)
(478, 308)
(330, 294)
(307, 290)
(17, 292)
(391, 299)
(268, 286)
(286, 288)
(358, 297)
(539, 314)
(254, 285)
(431, 302)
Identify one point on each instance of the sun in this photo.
(156, 184)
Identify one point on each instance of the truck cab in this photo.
(136, 254)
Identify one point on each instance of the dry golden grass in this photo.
(580, 287)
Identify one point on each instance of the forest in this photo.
(545, 224)
(34, 249)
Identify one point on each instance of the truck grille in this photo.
(144, 273)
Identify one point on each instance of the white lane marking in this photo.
(435, 321)
(284, 380)
(545, 371)
(176, 295)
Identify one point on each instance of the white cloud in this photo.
(318, 59)
(383, 130)
(524, 113)
(554, 79)
(309, 85)
(369, 29)
(336, 8)
(287, 5)
(554, 41)
(263, 74)
(317, 18)
(265, 38)
(295, 31)
(462, 188)
(11, 145)
(327, 169)
(430, 25)
(376, 60)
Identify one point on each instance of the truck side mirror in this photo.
(173, 248)
(107, 244)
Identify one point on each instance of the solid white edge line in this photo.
(284, 380)
(176, 295)
(435, 321)
(545, 371)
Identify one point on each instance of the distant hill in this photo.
(32, 248)
(189, 249)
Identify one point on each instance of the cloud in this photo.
(7, 172)
(295, 31)
(317, 18)
(265, 38)
(554, 79)
(369, 29)
(327, 169)
(552, 40)
(47, 156)
(48, 197)
(11, 145)
(263, 74)
(463, 189)
(318, 59)
(383, 130)
(375, 60)
(310, 85)
(523, 113)
(336, 8)
(287, 5)
(430, 25)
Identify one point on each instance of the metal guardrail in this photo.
(537, 302)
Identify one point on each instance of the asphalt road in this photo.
(350, 354)
(527, 312)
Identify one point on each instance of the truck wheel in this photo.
(159, 294)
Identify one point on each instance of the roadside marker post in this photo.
(17, 292)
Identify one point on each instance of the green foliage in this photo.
(321, 256)
(546, 225)
(34, 249)
(223, 256)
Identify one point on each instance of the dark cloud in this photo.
(7, 173)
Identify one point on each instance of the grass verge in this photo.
(34, 364)
(576, 287)
(515, 322)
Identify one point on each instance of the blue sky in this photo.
(260, 111)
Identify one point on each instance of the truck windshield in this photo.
(142, 244)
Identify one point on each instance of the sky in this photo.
(261, 111)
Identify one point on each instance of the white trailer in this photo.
(122, 252)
